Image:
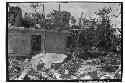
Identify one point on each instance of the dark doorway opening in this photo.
(35, 43)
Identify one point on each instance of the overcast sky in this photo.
(75, 8)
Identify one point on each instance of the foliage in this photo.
(14, 15)
(97, 32)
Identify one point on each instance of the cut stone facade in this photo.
(20, 41)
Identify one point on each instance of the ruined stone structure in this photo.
(24, 41)
(60, 18)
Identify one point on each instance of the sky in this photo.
(75, 8)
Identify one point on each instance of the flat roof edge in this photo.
(32, 29)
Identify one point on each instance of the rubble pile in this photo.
(54, 67)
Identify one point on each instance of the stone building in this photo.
(23, 41)
(60, 18)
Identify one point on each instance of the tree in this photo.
(72, 21)
(14, 15)
(105, 30)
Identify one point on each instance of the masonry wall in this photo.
(19, 41)
(55, 42)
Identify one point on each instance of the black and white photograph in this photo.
(64, 41)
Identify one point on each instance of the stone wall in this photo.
(55, 42)
(19, 41)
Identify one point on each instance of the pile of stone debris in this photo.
(51, 66)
